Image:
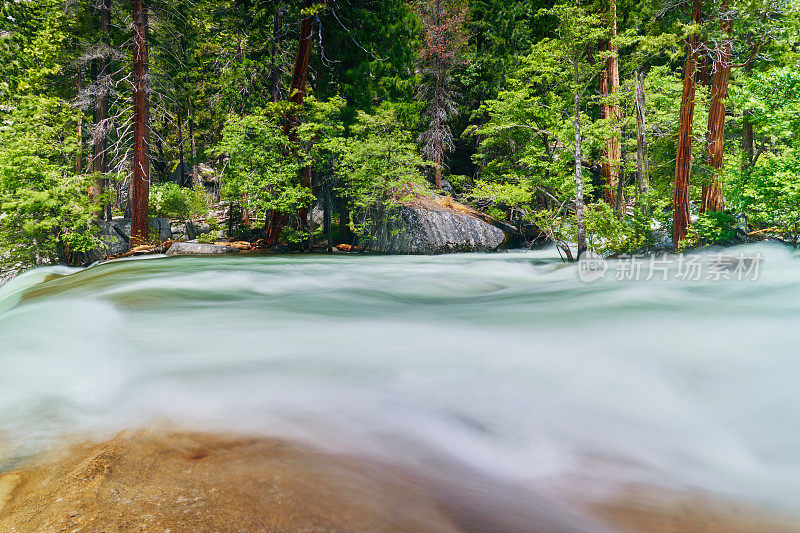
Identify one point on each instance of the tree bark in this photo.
(327, 214)
(140, 181)
(344, 221)
(609, 86)
(683, 159)
(100, 158)
(712, 193)
(641, 139)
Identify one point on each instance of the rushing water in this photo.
(505, 363)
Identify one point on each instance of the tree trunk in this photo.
(297, 92)
(140, 181)
(641, 140)
(579, 215)
(683, 159)
(344, 221)
(100, 158)
(712, 193)
(609, 86)
(327, 214)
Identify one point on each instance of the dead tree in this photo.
(442, 22)
(100, 157)
(609, 86)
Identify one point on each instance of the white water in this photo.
(506, 363)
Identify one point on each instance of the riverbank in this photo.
(178, 481)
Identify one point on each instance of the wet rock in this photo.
(412, 230)
(189, 231)
(195, 248)
(447, 187)
(114, 242)
(158, 225)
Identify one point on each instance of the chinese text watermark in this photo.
(713, 267)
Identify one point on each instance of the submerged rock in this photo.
(196, 248)
(426, 230)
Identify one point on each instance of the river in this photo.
(508, 364)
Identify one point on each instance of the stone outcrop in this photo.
(196, 248)
(116, 234)
(435, 230)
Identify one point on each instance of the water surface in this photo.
(507, 364)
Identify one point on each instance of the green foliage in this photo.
(31, 45)
(769, 195)
(219, 67)
(169, 200)
(608, 234)
(709, 229)
(264, 165)
(45, 209)
(380, 167)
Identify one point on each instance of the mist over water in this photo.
(507, 363)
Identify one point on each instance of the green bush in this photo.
(172, 201)
(45, 210)
(711, 228)
(609, 234)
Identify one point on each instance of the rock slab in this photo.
(195, 248)
(411, 230)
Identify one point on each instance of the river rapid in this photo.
(508, 365)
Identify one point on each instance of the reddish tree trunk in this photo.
(140, 180)
(712, 193)
(296, 94)
(683, 160)
(609, 85)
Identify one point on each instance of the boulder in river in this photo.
(436, 227)
(196, 248)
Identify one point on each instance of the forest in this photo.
(611, 126)
(318, 359)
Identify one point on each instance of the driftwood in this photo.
(144, 249)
